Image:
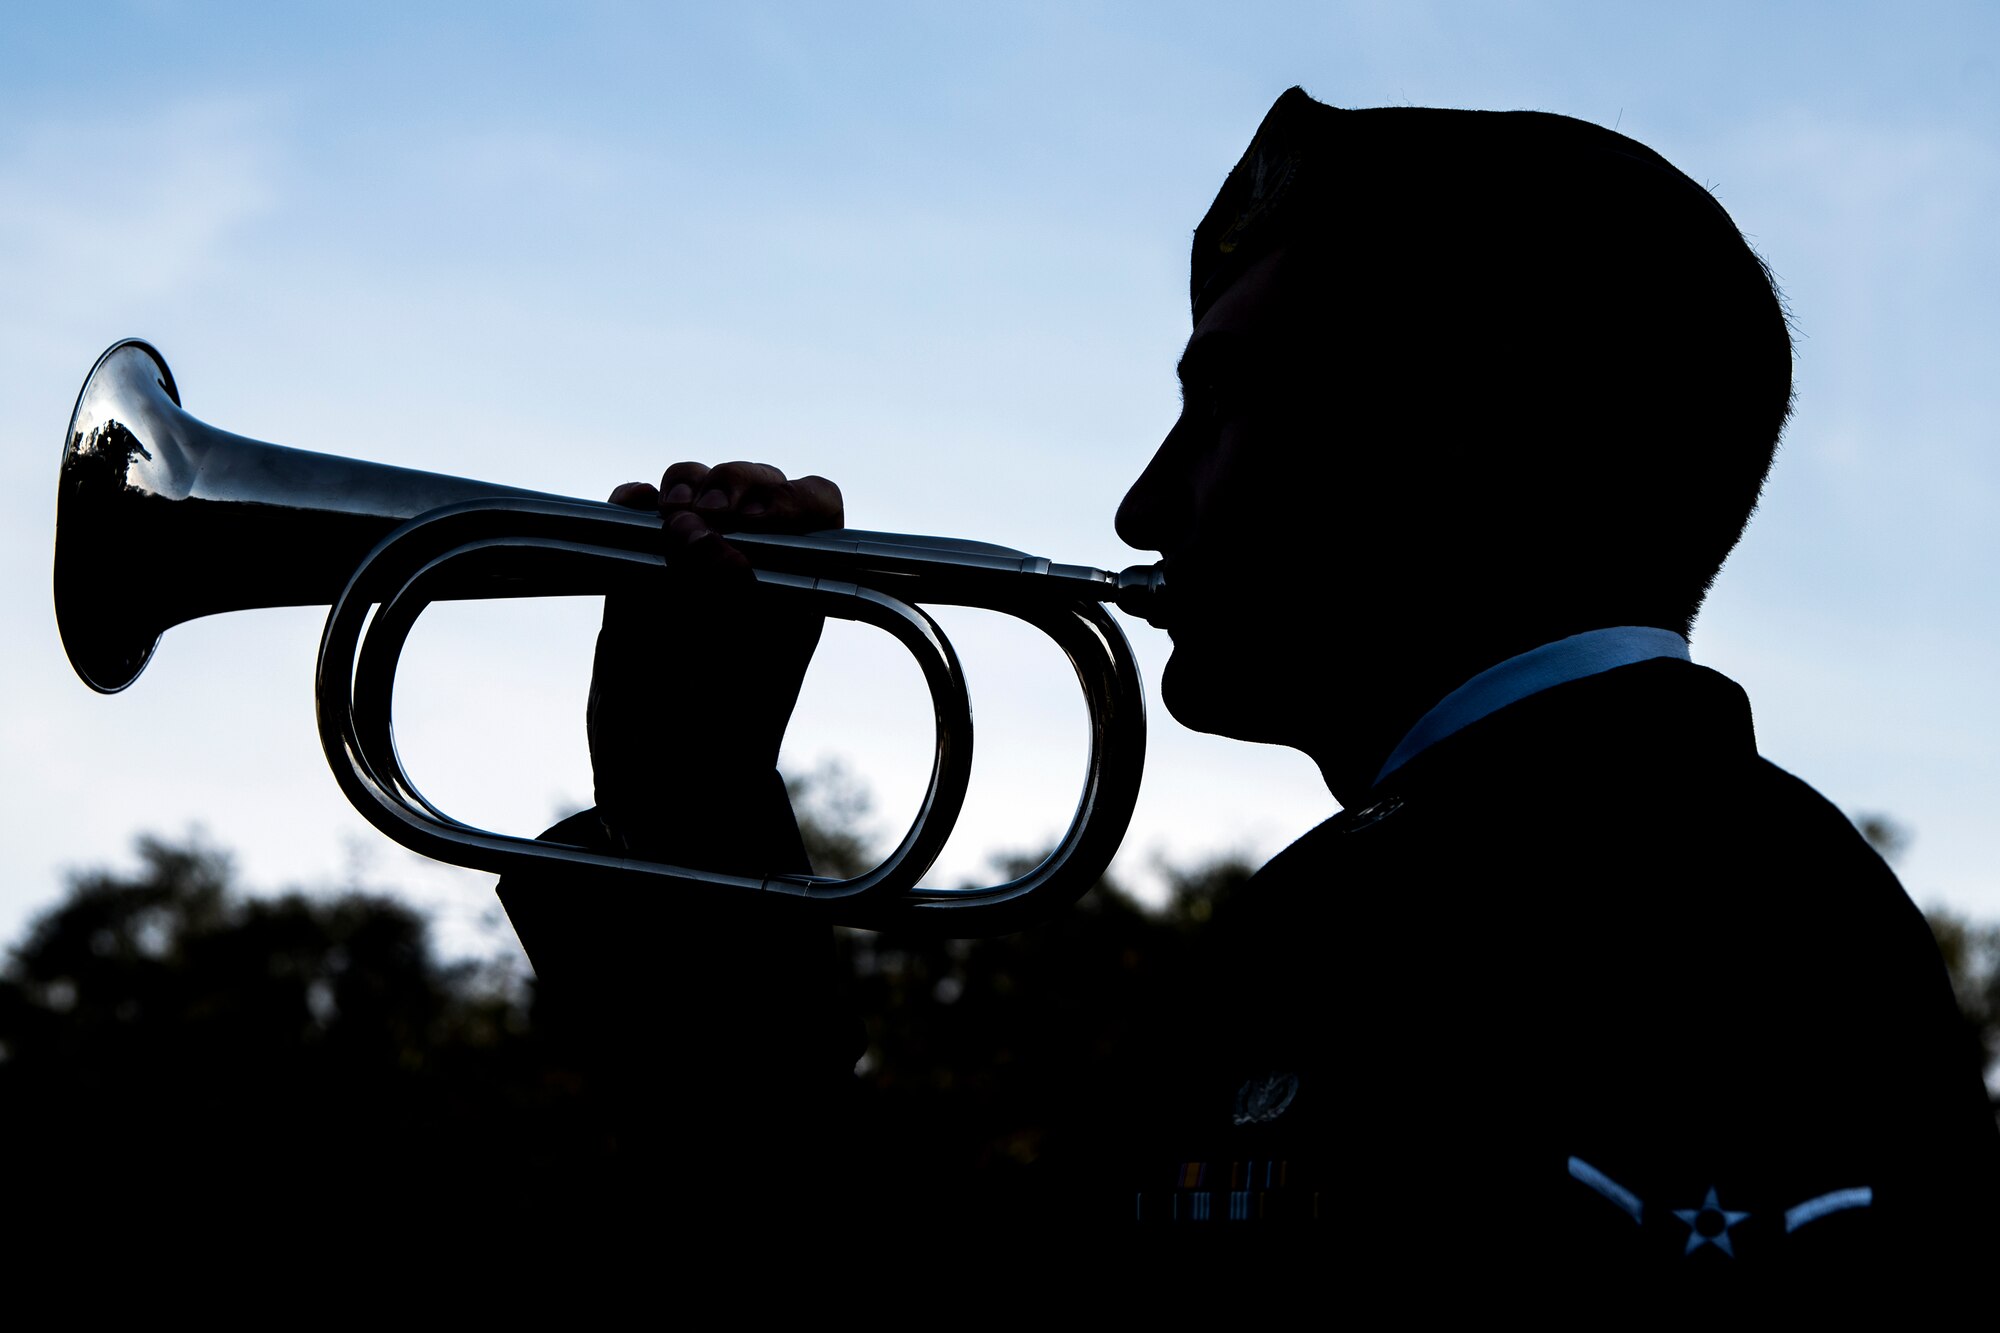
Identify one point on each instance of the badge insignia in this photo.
(1839, 1201)
(1263, 1099)
(1709, 1225)
(1610, 1189)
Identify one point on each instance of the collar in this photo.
(1538, 669)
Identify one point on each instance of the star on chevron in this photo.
(1709, 1225)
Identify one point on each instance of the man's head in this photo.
(1476, 378)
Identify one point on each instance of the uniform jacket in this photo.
(1591, 988)
(1585, 990)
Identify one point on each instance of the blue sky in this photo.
(938, 253)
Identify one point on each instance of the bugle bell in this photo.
(161, 518)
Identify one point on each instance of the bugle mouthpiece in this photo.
(1142, 592)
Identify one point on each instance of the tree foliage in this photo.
(308, 1059)
(1971, 948)
(297, 1058)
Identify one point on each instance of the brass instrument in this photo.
(162, 518)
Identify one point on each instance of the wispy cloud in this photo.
(127, 208)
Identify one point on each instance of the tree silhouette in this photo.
(308, 1056)
(304, 1060)
(1971, 949)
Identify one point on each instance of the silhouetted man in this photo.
(1575, 984)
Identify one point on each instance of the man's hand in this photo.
(699, 502)
(707, 1018)
(697, 675)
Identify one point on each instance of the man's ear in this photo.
(1464, 478)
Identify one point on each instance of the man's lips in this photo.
(1189, 594)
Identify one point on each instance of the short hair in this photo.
(1556, 282)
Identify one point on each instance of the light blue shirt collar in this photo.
(1531, 672)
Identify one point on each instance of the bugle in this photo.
(162, 518)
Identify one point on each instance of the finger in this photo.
(680, 484)
(696, 549)
(736, 490)
(636, 495)
(805, 504)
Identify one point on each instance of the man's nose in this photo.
(1143, 515)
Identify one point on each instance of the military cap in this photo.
(1489, 178)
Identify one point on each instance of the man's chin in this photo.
(1219, 698)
